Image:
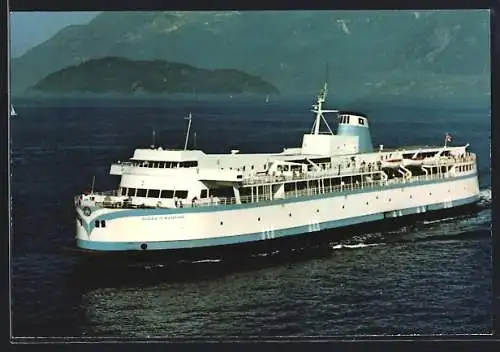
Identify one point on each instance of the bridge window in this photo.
(103, 223)
(154, 193)
(124, 191)
(181, 194)
(141, 192)
(361, 121)
(203, 193)
(167, 194)
(131, 192)
(96, 223)
(188, 164)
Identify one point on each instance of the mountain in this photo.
(124, 76)
(368, 52)
(31, 28)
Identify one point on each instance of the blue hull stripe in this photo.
(216, 241)
(170, 211)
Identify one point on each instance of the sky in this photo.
(29, 29)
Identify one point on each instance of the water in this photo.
(432, 277)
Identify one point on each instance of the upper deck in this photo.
(262, 188)
(157, 177)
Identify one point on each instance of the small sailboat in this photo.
(12, 111)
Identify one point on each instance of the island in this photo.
(124, 76)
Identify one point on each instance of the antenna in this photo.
(189, 127)
(93, 181)
(194, 141)
(325, 86)
(318, 107)
(326, 72)
(154, 135)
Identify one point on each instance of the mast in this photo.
(187, 133)
(154, 139)
(318, 109)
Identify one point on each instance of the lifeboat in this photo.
(392, 163)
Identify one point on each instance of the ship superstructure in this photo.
(181, 199)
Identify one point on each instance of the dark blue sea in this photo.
(426, 277)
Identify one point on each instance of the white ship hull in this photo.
(203, 227)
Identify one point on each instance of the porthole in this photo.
(430, 193)
(343, 206)
(258, 219)
(317, 210)
(376, 197)
(411, 197)
(221, 223)
(389, 199)
(290, 214)
(366, 203)
(97, 223)
(103, 223)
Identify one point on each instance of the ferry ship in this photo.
(171, 200)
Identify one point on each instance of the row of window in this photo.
(181, 194)
(153, 193)
(323, 162)
(164, 164)
(346, 119)
(464, 168)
